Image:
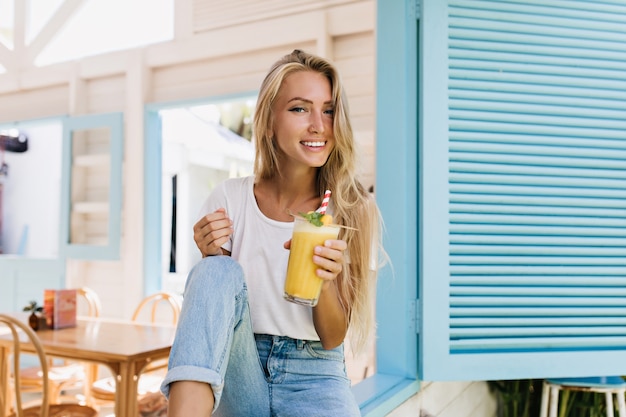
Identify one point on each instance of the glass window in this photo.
(29, 180)
(202, 146)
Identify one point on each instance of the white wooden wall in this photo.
(449, 399)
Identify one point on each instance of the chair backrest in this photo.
(94, 307)
(152, 302)
(16, 328)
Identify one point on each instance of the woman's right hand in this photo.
(211, 232)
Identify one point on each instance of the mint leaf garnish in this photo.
(314, 218)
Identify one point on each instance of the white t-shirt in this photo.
(257, 244)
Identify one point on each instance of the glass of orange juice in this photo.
(302, 285)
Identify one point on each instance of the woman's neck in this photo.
(280, 197)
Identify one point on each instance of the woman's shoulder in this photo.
(237, 184)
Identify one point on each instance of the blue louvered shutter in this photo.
(531, 280)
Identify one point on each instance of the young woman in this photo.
(240, 348)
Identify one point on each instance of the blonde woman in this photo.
(240, 348)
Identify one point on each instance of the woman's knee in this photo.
(216, 273)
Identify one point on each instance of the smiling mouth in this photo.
(314, 144)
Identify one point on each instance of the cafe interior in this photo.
(116, 121)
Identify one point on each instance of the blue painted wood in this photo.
(594, 382)
(25, 279)
(396, 188)
(526, 362)
(396, 194)
(434, 193)
(153, 146)
(528, 190)
(381, 393)
(111, 250)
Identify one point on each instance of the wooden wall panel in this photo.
(34, 104)
(24, 279)
(106, 278)
(449, 399)
(362, 44)
(106, 94)
(211, 14)
(355, 58)
(215, 77)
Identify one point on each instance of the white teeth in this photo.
(314, 144)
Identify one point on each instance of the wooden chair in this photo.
(92, 301)
(45, 409)
(151, 377)
(153, 302)
(66, 375)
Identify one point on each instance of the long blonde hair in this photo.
(352, 204)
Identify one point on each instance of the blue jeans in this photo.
(251, 375)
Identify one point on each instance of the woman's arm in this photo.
(190, 398)
(331, 315)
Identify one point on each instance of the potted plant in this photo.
(35, 321)
(517, 398)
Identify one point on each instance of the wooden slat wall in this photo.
(449, 399)
(355, 58)
(39, 103)
(216, 77)
(106, 94)
(210, 14)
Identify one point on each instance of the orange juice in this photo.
(302, 285)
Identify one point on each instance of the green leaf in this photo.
(33, 306)
(314, 218)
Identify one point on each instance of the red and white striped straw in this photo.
(325, 201)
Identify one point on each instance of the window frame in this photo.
(111, 250)
(397, 187)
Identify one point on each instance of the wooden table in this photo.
(126, 347)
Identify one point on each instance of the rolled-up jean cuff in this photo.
(194, 373)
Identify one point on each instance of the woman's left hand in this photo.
(329, 258)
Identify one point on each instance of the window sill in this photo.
(381, 393)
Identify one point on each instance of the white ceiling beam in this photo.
(77, 93)
(9, 83)
(19, 26)
(33, 78)
(324, 38)
(7, 58)
(229, 40)
(183, 19)
(351, 18)
(52, 27)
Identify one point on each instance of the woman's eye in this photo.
(330, 112)
(297, 109)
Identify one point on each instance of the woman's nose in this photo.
(317, 122)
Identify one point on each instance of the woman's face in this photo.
(303, 119)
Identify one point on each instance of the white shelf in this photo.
(87, 207)
(92, 160)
